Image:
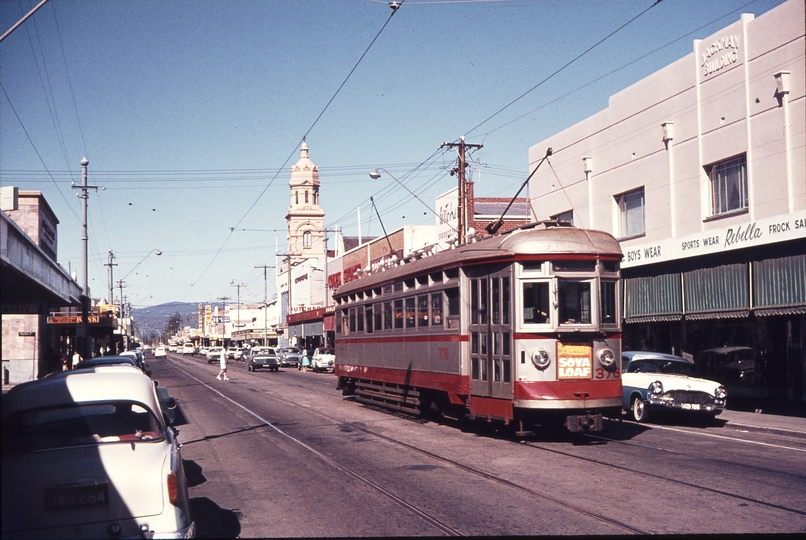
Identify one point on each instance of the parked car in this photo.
(236, 353)
(289, 356)
(160, 351)
(263, 357)
(188, 348)
(214, 354)
(323, 359)
(138, 357)
(733, 366)
(89, 453)
(654, 381)
(121, 360)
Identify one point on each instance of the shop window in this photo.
(728, 184)
(564, 216)
(631, 213)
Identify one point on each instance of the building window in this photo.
(306, 239)
(729, 184)
(631, 213)
(306, 197)
(564, 216)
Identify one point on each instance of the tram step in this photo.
(386, 403)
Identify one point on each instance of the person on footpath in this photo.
(222, 362)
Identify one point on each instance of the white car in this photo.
(89, 453)
(323, 359)
(214, 354)
(160, 351)
(653, 381)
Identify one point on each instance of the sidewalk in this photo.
(763, 421)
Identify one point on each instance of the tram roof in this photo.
(542, 240)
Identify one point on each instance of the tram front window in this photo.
(535, 303)
(574, 302)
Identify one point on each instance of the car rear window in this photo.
(80, 424)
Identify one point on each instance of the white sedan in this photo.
(323, 359)
(652, 381)
(89, 453)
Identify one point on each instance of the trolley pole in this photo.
(460, 173)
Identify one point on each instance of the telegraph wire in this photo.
(611, 34)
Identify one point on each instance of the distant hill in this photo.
(155, 318)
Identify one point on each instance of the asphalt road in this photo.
(285, 454)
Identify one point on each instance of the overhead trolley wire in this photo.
(232, 229)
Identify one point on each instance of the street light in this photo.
(238, 285)
(375, 175)
(156, 251)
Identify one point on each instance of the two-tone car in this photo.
(289, 356)
(652, 381)
(88, 453)
(263, 358)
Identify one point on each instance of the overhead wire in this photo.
(304, 137)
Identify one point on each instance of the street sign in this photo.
(27, 334)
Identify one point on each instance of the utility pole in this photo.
(85, 287)
(223, 311)
(460, 172)
(110, 264)
(265, 303)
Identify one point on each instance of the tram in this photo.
(518, 327)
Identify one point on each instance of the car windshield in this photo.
(291, 350)
(327, 351)
(79, 424)
(265, 352)
(660, 366)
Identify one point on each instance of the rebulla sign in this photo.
(748, 234)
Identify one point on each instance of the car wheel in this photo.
(639, 412)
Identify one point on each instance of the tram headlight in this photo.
(656, 388)
(540, 359)
(607, 358)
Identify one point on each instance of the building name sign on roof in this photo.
(728, 46)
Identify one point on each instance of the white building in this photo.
(699, 170)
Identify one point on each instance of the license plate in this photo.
(692, 406)
(75, 498)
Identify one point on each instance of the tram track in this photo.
(446, 529)
(620, 525)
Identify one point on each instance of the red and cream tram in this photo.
(522, 326)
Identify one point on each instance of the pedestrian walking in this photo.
(222, 362)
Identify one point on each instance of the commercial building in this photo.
(699, 170)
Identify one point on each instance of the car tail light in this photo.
(173, 488)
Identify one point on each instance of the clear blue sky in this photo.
(191, 113)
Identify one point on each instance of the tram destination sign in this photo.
(747, 234)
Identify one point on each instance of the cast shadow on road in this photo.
(212, 521)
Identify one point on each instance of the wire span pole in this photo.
(265, 303)
(460, 173)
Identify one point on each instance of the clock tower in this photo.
(305, 218)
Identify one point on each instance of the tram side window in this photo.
(368, 312)
(398, 314)
(422, 310)
(452, 313)
(387, 315)
(378, 310)
(496, 300)
(436, 309)
(411, 317)
(574, 302)
(341, 315)
(535, 303)
(360, 318)
(608, 302)
(352, 319)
